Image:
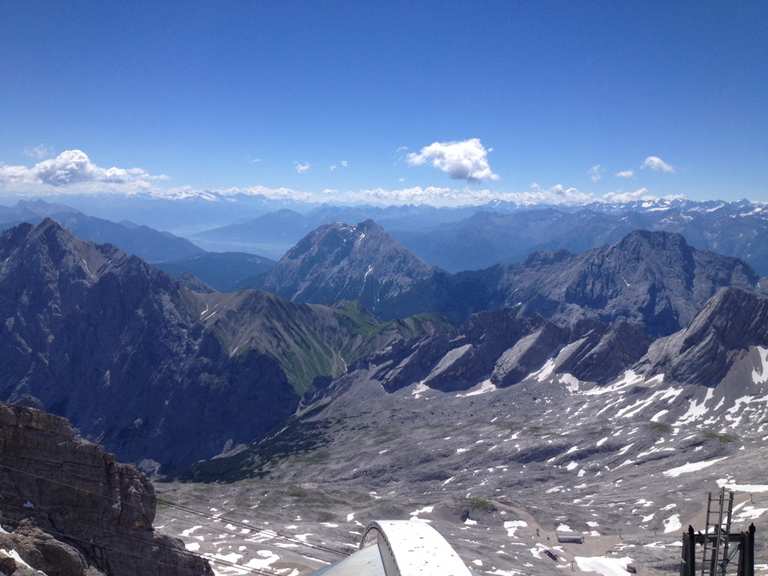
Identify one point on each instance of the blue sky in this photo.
(238, 94)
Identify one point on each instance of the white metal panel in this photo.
(365, 562)
(412, 548)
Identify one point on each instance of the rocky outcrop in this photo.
(506, 347)
(69, 507)
(730, 324)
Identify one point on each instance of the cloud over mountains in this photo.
(75, 167)
(464, 160)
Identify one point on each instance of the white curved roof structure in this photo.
(400, 548)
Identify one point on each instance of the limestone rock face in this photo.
(723, 332)
(69, 507)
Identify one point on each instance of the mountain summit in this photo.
(653, 278)
(360, 262)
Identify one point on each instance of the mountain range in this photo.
(554, 473)
(151, 369)
(496, 234)
(652, 278)
(468, 238)
(583, 426)
(563, 373)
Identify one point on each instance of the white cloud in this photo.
(625, 173)
(412, 195)
(657, 165)
(38, 152)
(557, 194)
(74, 167)
(633, 196)
(340, 164)
(465, 160)
(73, 172)
(596, 172)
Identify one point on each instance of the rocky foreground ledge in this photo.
(67, 508)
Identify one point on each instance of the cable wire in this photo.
(270, 532)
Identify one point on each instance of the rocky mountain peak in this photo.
(337, 262)
(648, 240)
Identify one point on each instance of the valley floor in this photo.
(500, 473)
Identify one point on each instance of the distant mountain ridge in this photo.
(455, 238)
(279, 230)
(499, 233)
(142, 241)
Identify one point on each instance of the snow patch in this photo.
(734, 487)
(511, 526)
(604, 565)
(629, 379)
(544, 372)
(484, 387)
(762, 377)
(672, 524)
(692, 467)
(696, 409)
(571, 382)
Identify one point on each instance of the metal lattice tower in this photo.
(715, 557)
(719, 544)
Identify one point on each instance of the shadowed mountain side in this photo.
(153, 370)
(222, 271)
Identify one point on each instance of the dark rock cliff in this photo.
(70, 509)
